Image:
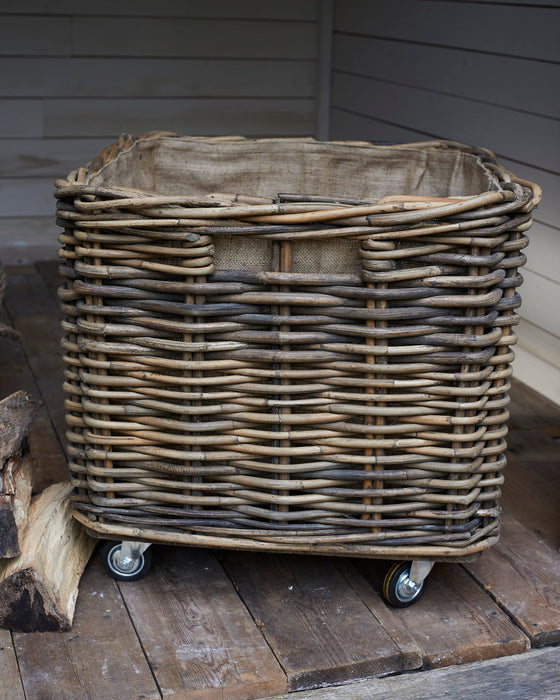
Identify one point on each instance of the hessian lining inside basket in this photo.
(267, 167)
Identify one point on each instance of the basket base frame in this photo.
(435, 553)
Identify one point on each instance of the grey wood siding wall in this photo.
(485, 73)
(73, 76)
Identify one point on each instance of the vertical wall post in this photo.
(324, 69)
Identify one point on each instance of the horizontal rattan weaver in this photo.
(286, 345)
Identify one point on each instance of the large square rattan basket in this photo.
(288, 345)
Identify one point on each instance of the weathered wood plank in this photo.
(476, 27)
(188, 37)
(532, 500)
(552, 431)
(49, 273)
(393, 626)
(156, 77)
(36, 316)
(522, 575)
(532, 675)
(537, 452)
(531, 410)
(199, 638)
(100, 658)
(10, 688)
(316, 624)
(455, 622)
(46, 452)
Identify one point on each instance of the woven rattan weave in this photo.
(288, 345)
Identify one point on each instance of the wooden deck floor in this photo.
(230, 625)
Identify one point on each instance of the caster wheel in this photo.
(123, 569)
(398, 589)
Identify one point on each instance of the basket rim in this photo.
(509, 188)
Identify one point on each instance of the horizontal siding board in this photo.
(74, 76)
(543, 252)
(532, 139)
(193, 38)
(540, 302)
(348, 125)
(243, 9)
(124, 77)
(517, 30)
(26, 239)
(533, 3)
(510, 82)
(21, 118)
(548, 211)
(27, 197)
(539, 342)
(540, 375)
(108, 118)
(35, 36)
(20, 158)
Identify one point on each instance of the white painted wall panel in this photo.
(548, 211)
(20, 235)
(250, 117)
(26, 197)
(22, 35)
(540, 301)
(211, 38)
(47, 158)
(73, 76)
(513, 30)
(500, 80)
(539, 342)
(532, 138)
(240, 9)
(543, 253)
(157, 77)
(20, 118)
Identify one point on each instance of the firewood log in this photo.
(38, 589)
(16, 469)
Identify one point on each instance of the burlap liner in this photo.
(267, 167)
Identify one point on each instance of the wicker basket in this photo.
(322, 371)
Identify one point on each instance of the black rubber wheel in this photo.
(109, 552)
(396, 586)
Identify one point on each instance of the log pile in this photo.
(43, 550)
(16, 470)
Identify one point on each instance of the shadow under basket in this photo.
(287, 345)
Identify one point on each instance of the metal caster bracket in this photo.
(129, 554)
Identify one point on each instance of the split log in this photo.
(38, 589)
(5, 330)
(16, 469)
